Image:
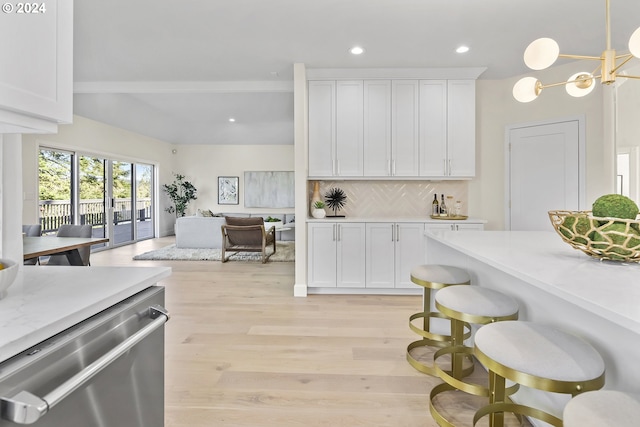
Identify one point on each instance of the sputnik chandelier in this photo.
(542, 53)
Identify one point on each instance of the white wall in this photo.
(203, 164)
(496, 108)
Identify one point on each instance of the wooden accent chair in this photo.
(246, 235)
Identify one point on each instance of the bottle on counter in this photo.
(443, 208)
(457, 209)
(450, 206)
(435, 206)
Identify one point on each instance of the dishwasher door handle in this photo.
(27, 408)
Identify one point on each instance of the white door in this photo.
(380, 258)
(322, 255)
(410, 251)
(377, 127)
(350, 255)
(545, 172)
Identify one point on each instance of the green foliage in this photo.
(54, 175)
(180, 192)
(319, 204)
(271, 219)
(615, 206)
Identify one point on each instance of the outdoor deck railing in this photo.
(54, 213)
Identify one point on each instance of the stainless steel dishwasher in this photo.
(107, 371)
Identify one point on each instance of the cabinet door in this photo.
(405, 138)
(322, 127)
(321, 264)
(461, 125)
(351, 255)
(466, 226)
(380, 258)
(410, 251)
(349, 128)
(36, 76)
(377, 128)
(433, 128)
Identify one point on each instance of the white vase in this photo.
(318, 213)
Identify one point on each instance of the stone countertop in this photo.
(45, 301)
(608, 289)
(424, 219)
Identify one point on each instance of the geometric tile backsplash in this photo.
(392, 198)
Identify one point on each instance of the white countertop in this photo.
(424, 219)
(44, 301)
(608, 289)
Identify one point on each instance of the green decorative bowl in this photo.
(612, 239)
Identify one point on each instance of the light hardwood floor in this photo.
(242, 351)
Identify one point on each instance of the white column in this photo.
(11, 196)
(300, 124)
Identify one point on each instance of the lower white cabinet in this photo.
(336, 255)
(393, 249)
(455, 226)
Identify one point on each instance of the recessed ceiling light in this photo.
(356, 50)
(462, 49)
(231, 119)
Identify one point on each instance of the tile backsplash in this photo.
(392, 198)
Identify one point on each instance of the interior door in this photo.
(545, 172)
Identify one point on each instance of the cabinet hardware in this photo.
(393, 233)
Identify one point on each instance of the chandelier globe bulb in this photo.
(541, 53)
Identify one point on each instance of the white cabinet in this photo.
(322, 127)
(455, 226)
(36, 77)
(377, 128)
(335, 128)
(336, 256)
(393, 249)
(405, 138)
(447, 128)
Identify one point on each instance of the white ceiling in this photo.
(177, 70)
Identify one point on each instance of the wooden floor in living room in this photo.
(242, 351)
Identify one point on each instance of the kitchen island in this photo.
(45, 301)
(556, 285)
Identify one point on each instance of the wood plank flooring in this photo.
(242, 351)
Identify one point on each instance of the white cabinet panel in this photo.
(36, 77)
(336, 255)
(377, 128)
(393, 249)
(405, 137)
(433, 127)
(380, 258)
(349, 128)
(322, 127)
(461, 128)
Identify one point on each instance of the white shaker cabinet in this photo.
(377, 128)
(405, 137)
(336, 128)
(336, 255)
(393, 249)
(447, 128)
(322, 127)
(36, 77)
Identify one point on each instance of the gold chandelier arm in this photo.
(564, 55)
(628, 58)
(628, 77)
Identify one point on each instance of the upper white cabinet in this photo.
(447, 128)
(392, 128)
(335, 128)
(36, 77)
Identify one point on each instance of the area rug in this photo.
(284, 253)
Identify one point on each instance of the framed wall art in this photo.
(227, 190)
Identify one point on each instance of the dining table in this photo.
(50, 245)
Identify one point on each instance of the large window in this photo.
(114, 196)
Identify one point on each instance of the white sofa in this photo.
(205, 232)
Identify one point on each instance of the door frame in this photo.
(582, 158)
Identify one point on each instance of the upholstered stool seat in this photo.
(432, 277)
(603, 408)
(536, 356)
(470, 304)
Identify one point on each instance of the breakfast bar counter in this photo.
(556, 285)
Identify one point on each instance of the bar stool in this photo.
(536, 356)
(603, 408)
(432, 276)
(466, 304)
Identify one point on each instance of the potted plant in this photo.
(271, 221)
(180, 192)
(318, 209)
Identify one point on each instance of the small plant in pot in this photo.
(318, 209)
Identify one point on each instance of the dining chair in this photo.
(68, 230)
(32, 230)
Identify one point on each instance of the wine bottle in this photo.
(435, 206)
(443, 208)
